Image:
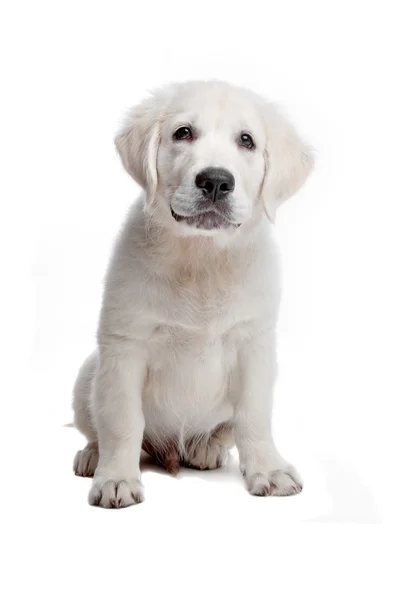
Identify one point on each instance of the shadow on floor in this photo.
(351, 500)
(230, 472)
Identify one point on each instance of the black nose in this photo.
(215, 183)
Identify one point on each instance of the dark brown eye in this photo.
(183, 133)
(246, 141)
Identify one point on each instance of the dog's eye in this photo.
(246, 141)
(183, 133)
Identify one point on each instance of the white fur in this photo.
(186, 339)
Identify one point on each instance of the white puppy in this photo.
(185, 364)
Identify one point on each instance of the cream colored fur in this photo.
(186, 339)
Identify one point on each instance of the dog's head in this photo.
(209, 155)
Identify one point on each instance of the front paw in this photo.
(116, 492)
(281, 481)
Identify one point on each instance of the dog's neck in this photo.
(195, 260)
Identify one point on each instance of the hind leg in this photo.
(86, 460)
(212, 452)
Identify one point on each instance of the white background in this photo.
(69, 70)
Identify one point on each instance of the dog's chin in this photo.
(208, 221)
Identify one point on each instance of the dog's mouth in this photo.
(206, 220)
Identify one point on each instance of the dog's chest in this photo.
(199, 332)
(193, 351)
(187, 380)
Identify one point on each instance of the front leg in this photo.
(117, 408)
(266, 472)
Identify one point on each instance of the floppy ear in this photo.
(289, 161)
(137, 144)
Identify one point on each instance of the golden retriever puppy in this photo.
(185, 362)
